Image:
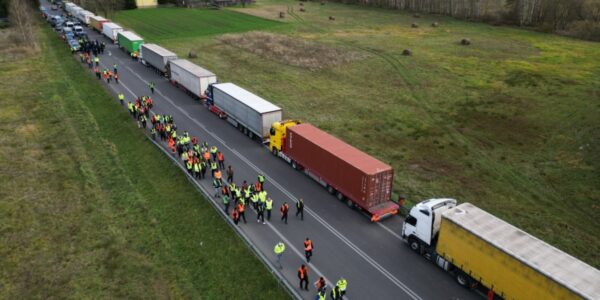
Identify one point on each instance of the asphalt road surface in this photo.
(371, 257)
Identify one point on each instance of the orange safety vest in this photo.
(308, 245)
(257, 186)
(218, 174)
(302, 273)
(206, 155)
(241, 206)
(220, 156)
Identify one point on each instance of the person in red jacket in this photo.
(284, 211)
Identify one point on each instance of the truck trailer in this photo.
(110, 30)
(157, 57)
(96, 22)
(84, 16)
(356, 178)
(193, 78)
(481, 249)
(248, 112)
(129, 41)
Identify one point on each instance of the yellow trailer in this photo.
(508, 260)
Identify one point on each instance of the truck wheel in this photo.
(340, 196)
(350, 203)
(330, 189)
(274, 151)
(463, 279)
(294, 165)
(250, 135)
(414, 245)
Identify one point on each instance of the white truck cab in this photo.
(422, 224)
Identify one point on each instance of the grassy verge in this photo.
(90, 209)
(509, 123)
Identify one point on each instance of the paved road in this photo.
(372, 257)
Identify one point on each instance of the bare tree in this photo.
(21, 16)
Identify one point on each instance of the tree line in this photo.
(579, 18)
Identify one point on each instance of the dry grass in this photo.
(291, 51)
(12, 46)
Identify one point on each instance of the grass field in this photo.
(510, 123)
(90, 209)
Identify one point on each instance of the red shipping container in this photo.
(358, 176)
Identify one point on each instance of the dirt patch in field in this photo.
(292, 51)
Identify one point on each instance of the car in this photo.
(59, 28)
(74, 46)
(69, 35)
(69, 24)
(54, 7)
(78, 30)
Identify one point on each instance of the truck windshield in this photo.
(411, 220)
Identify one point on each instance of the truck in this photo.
(75, 11)
(480, 249)
(129, 41)
(110, 30)
(96, 22)
(84, 16)
(248, 112)
(191, 77)
(360, 180)
(157, 57)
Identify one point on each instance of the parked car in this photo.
(54, 7)
(74, 45)
(78, 30)
(69, 24)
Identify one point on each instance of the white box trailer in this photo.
(192, 77)
(68, 5)
(156, 57)
(75, 11)
(84, 16)
(245, 110)
(110, 30)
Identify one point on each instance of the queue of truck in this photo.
(476, 247)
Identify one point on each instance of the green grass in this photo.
(91, 209)
(172, 23)
(509, 123)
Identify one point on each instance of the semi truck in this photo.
(358, 179)
(193, 78)
(84, 16)
(157, 57)
(110, 30)
(480, 249)
(129, 41)
(96, 22)
(248, 112)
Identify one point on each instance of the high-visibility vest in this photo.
(218, 174)
(261, 178)
(213, 149)
(257, 186)
(254, 198)
(213, 165)
(225, 199)
(279, 248)
(262, 196)
(247, 193)
(196, 167)
(302, 273)
(188, 165)
(342, 284)
(220, 156)
(238, 193)
(322, 295)
(206, 156)
(269, 204)
(242, 207)
(121, 97)
(308, 245)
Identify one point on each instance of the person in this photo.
(260, 213)
(308, 248)
(335, 293)
(213, 168)
(97, 61)
(226, 203)
(342, 284)
(268, 208)
(279, 250)
(284, 211)
(303, 276)
(322, 294)
(213, 152)
(241, 209)
(115, 68)
(229, 174)
(235, 215)
(221, 160)
(217, 186)
(121, 98)
(320, 284)
(300, 209)
(153, 132)
(261, 179)
(151, 85)
(117, 78)
(254, 198)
